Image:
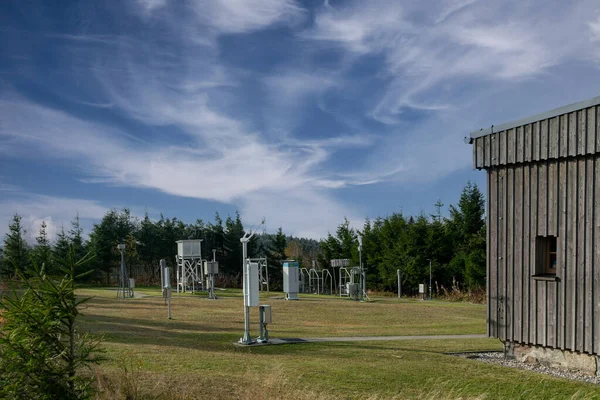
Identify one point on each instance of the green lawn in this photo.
(192, 356)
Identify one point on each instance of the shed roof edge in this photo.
(537, 117)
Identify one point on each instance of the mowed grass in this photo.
(192, 355)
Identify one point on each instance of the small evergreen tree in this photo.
(41, 352)
(15, 256)
(61, 245)
(76, 238)
(42, 249)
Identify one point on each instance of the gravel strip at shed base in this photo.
(497, 357)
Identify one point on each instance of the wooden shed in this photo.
(543, 227)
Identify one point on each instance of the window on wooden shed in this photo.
(546, 255)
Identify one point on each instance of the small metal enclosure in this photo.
(354, 290)
(211, 267)
(189, 248)
(266, 312)
(290, 280)
(251, 293)
(421, 288)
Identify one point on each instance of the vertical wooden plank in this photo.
(510, 146)
(553, 138)
(502, 188)
(493, 259)
(528, 143)
(596, 260)
(495, 149)
(571, 275)
(597, 130)
(591, 131)
(589, 256)
(544, 145)
(510, 259)
(551, 314)
(542, 313)
(503, 276)
(552, 199)
(502, 147)
(581, 197)
(533, 255)
(520, 156)
(474, 150)
(572, 144)
(563, 135)
(561, 259)
(552, 230)
(543, 199)
(518, 254)
(581, 132)
(487, 151)
(488, 213)
(478, 161)
(535, 135)
(527, 262)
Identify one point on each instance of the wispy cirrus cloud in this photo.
(229, 16)
(465, 39)
(236, 174)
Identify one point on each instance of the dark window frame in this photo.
(546, 250)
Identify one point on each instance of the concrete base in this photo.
(555, 358)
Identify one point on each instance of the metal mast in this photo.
(246, 339)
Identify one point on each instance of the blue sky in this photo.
(301, 112)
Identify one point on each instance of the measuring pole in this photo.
(430, 280)
(246, 339)
(399, 285)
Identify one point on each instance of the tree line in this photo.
(455, 245)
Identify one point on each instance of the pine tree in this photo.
(467, 226)
(61, 245)
(76, 238)
(276, 253)
(234, 230)
(15, 256)
(42, 250)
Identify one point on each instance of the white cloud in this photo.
(235, 174)
(225, 16)
(304, 212)
(467, 40)
(148, 6)
(291, 87)
(56, 211)
(237, 16)
(595, 29)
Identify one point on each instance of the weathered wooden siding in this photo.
(551, 197)
(568, 135)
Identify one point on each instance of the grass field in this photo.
(192, 355)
